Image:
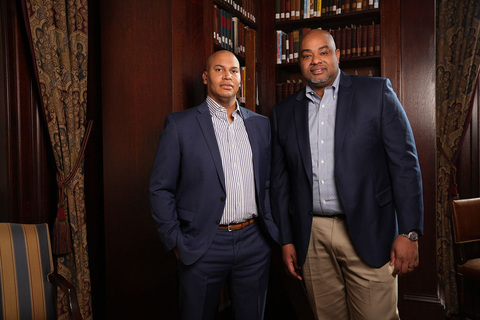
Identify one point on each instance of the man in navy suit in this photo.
(346, 187)
(209, 194)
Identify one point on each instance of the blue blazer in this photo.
(376, 168)
(187, 184)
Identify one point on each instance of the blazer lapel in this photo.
(344, 104)
(300, 115)
(205, 121)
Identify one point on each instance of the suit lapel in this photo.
(300, 114)
(345, 95)
(205, 121)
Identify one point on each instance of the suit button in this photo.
(217, 222)
(222, 199)
(310, 213)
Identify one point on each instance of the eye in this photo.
(306, 56)
(235, 71)
(324, 53)
(218, 69)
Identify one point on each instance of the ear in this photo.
(204, 77)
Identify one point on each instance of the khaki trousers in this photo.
(340, 286)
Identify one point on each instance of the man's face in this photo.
(222, 77)
(319, 59)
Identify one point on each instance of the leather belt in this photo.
(236, 226)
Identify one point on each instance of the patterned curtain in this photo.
(458, 60)
(59, 41)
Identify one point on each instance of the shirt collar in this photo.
(312, 95)
(217, 110)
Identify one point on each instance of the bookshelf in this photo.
(362, 27)
(234, 27)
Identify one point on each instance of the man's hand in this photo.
(404, 256)
(290, 260)
(175, 250)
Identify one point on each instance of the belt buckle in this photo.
(228, 228)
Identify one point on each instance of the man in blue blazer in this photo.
(209, 194)
(346, 187)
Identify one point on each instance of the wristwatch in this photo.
(413, 236)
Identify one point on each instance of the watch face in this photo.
(413, 236)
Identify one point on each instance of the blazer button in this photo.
(222, 199)
(310, 213)
(217, 222)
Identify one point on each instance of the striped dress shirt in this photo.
(237, 164)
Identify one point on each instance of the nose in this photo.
(227, 75)
(316, 59)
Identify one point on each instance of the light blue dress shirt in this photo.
(321, 123)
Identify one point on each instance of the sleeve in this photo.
(403, 163)
(163, 184)
(280, 188)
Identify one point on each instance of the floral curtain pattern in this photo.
(458, 61)
(59, 41)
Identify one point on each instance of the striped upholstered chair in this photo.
(26, 274)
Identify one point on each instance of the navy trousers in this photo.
(241, 258)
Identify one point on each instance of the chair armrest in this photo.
(70, 291)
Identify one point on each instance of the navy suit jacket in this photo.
(187, 184)
(376, 168)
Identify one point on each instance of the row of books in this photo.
(285, 89)
(354, 41)
(229, 32)
(305, 9)
(244, 8)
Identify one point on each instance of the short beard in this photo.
(319, 81)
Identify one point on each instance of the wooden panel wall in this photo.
(418, 291)
(137, 93)
(27, 178)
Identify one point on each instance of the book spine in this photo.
(364, 40)
(359, 41)
(343, 43)
(370, 39)
(354, 41)
(279, 47)
(287, 9)
(277, 10)
(348, 42)
(296, 44)
(376, 41)
(290, 47)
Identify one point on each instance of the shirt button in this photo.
(217, 222)
(323, 106)
(323, 182)
(324, 201)
(322, 142)
(322, 123)
(322, 161)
